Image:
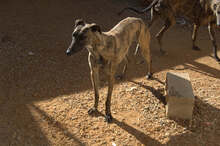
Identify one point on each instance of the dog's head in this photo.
(83, 36)
(216, 9)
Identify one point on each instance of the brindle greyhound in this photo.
(108, 49)
(199, 12)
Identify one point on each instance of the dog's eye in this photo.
(74, 35)
(214, 6)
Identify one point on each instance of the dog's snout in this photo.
(68, 52)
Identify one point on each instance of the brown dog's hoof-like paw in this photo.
(196, 48)
(217, 59)
(120, 77)
(163, 52)
(108, 118)
(92, 111)
(149, 76)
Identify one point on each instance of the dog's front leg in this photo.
(94, 68)
(212, 37)
(111, 79)
(194, 36)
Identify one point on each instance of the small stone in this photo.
(73, 118)
(132, 89)
(30, 53)
(113, 144)
(14, 135)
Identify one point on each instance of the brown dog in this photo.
(108, 49)
(198, 12)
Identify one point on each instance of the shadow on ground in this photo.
(202, 121)
(206, 119)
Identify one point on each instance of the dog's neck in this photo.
(103, 48)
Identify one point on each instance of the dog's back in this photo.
(129, 23)
(127, 31)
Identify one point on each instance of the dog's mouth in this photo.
(77, 48)
(70, 52)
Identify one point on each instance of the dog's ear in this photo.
(79, 22)
(94, 27)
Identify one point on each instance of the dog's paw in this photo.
(108, 118)
(120, 77)
(163, 52)
(92, 111)
(217, 58)
(149, 76)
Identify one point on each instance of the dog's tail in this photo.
(131, 8)
(139, 11)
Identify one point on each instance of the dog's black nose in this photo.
(68, 52)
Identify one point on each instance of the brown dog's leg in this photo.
(212, 37)
(159, 35)
(154, 17)
(111, 79)
(125, 66)
(136, 50)
(147, 56)
(194, 35)
(144, 41)
(94, 68)
(122, 75)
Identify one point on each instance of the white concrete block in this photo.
(179, 95)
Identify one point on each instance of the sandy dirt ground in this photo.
(45, 95)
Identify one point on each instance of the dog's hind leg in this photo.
(153, 18)
(135, 53)
(194, 35)
(94, 68)
(144, 41)
(122, 75)
(168, 23)
(136, 50)
(125, 66)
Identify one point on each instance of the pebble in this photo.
(132, 89)
(30, 53)
(113, 144)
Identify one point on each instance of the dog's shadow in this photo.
(158, 93)
(139, 135)
(204, 124)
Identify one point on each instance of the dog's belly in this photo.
(120, 59)
(116, 56)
